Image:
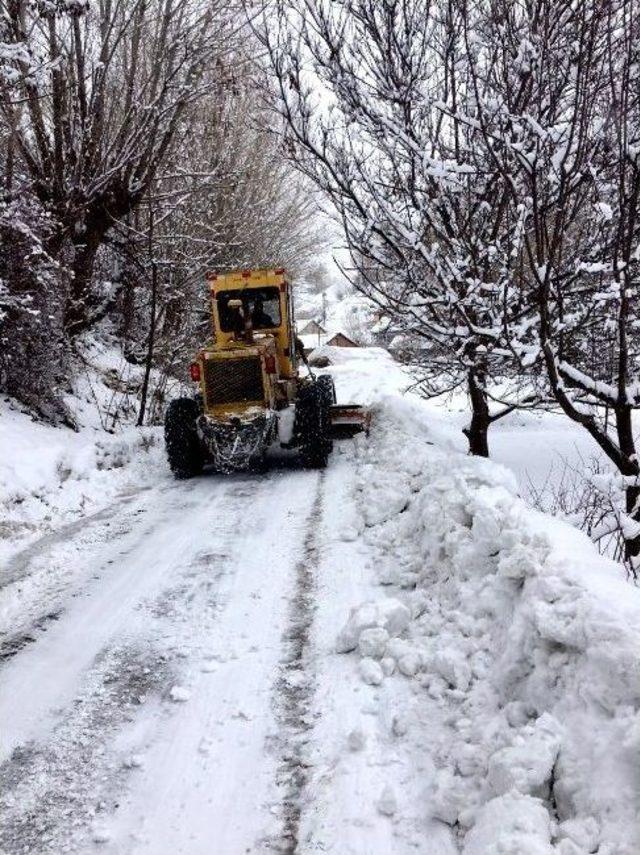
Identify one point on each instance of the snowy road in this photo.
(170, 680)
(170, 683)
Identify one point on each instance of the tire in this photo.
(328, 391)
(184, 451)
(312, 426)
(260, 464)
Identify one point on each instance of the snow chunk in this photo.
(449, 797)
(410, 663)
(389, 499)
(388, 665)
(179, 694)
(451, 664)
(584, 832)
(100, 834)
(394, 616)
(390, 615)
(135, 761)
(360, 618)
(526, 765)
(371, 672)
(511, 825)
(356, 739)
(516, 714)
(407, 656)
(399, 724)
(519, 562)
(373, 642)
(387, 803)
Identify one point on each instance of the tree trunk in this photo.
(632, 501)
(624, 427)
(152, 321)
(478, 427)
(150, 345)
(80, 302)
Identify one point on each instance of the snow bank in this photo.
(523, 636)
(50, 475)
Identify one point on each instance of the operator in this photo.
(259, 318)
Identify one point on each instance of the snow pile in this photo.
(525, 639)
(51, 475)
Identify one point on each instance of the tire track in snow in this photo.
(207, 783)
(37, 584)
(295, 688)
(52, 792)
(14, 644)
(18, 566)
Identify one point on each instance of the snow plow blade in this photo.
(349, 419)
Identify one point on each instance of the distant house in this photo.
(341, 340)
(312, 335)
(312, 328)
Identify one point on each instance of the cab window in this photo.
(262, 304)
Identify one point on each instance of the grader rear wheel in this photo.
(184, 451)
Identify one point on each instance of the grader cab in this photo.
(254, 392)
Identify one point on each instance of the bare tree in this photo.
(426, 214)
(96, 95)
(30, 317)
(570, 157)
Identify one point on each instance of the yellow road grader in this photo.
(254, 392)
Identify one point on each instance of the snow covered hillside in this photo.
(396, 655)
(51, 475)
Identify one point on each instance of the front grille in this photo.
(230, 381)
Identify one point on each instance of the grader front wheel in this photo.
(313, 424)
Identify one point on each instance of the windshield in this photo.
(263, 305)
